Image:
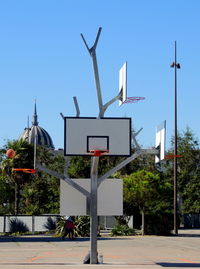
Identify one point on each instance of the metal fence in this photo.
(39, 223)
(33, 223)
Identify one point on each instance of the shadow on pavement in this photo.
(179, 265)
(38, 263)
(189, 235)
(51, 239)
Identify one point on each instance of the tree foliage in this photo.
(188, 171)
(146, 188)
(150, 193)
(22, 159)
(41, 195)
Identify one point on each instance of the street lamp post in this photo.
(176, 66)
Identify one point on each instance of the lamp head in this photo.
(172, 65)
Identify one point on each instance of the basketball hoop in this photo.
(130, 100)
(25, 170)
(172, 156)
(98, 152)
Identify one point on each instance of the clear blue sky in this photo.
(42, 57)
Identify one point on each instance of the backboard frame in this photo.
(80, 130)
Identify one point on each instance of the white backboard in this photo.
(85, 134)
(160, 141)
(109, 201)
(123, 83)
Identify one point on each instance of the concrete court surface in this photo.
(42, 252)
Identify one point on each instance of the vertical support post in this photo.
(35, 151)
(175, 65)
(143, 222)
(93, 210)
(33, 224)
(4, 224)
(175, 147)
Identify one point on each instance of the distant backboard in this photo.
(109, 203)
(123, 83)
(160, 141)
(83, 135)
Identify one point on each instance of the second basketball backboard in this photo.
(123, 83)
(160, 141)
(110, 198)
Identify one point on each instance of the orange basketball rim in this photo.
(25, 170)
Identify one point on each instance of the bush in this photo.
(60, 226)
(161, 224)
(82, 226)
(122, 230)
(18, 226)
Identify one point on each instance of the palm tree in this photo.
(23, 159)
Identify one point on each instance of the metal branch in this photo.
(125, 162)
(66, 179)
(61, 114)
(108, 104)
(93, 48)
(76, 106)
(85, 43)
(134, 139)
(97, 39)
(95, 67)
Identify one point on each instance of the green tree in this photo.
(188, 171)
(22, 159)
(191, 194)
(147, 191)
(7, 195)
(41, 195)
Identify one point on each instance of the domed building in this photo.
(37, 134)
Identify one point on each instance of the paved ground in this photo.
(150, 252)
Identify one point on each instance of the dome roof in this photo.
(36, 132)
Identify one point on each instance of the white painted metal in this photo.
(160, 141)
(123, 83)
(113, 134)
(109, 201)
